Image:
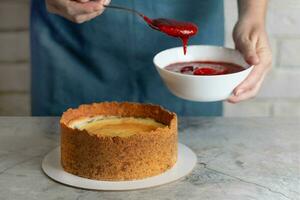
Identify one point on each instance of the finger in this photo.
(86, 17)
(258, 71)
(93, 15)
(248, 50)
(63, 14)
(77, 8)
(106, 2)
(247, 94)
(255, 75)
(83, 1)
(54, 8)
(51, 9)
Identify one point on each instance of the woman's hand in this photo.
(252, 41)
(77, 11)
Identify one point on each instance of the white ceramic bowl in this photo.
(201, 88)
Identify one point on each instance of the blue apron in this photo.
(110, 58)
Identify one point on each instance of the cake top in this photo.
(130, 119)
(113, 126)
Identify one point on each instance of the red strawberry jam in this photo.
(209, 71)
(204, 68)
(174, 28)
(187, 70)
(205, 71)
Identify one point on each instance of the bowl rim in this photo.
(199, 76)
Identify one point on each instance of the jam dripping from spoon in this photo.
(174, 28)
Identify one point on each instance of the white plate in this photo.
(184, 165)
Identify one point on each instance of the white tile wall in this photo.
(289, 52)
(14, 46)
(15, 77)
(14, 57)
(283, 18)
(14, 103)
(286, 107)
(281, 83)
(279, 96)
(14, 15)
(248, 109)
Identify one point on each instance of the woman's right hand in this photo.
(77, 11)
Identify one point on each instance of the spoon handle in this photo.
(124, 8)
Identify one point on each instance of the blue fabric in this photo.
(110, 58)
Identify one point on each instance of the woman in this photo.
(78, 57)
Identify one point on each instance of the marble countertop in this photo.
(238, 159)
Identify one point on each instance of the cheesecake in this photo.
(118, 141)
(114, 126)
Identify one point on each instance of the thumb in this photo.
(248, 50)
(106, 2)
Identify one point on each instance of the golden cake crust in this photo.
(101, 157)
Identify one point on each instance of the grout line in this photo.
(12, 92)
(3, 62)
(13, 30)
(285, 36)
(26, 2)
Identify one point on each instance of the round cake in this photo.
(118, 141)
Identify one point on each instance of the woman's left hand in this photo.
(252, 41)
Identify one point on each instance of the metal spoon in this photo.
(124, 8)
(145, 18)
